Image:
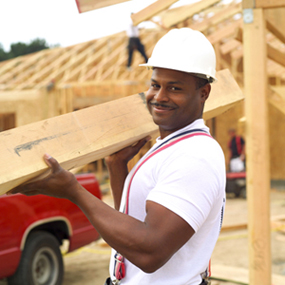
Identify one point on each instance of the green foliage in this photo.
(2, 53)
(18, 49)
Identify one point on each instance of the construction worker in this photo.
(236, 147)
(134, 43)
(169, 208)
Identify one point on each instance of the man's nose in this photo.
(161, 95)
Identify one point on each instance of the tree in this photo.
(3, 55)
(18, 49)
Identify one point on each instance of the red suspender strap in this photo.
(119, 266)
(159, 149)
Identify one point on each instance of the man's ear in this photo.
(205, 92)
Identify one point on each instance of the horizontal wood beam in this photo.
(87, 135)
(151, 10)
(180, 14)
(264, 4)
(269, 4)
(88, 5)
(74, 139)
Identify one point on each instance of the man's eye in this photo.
(155, 85)
(173, 88)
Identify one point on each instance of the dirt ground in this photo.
(89, 265)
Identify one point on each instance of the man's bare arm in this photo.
(117, 164)
(148, 244)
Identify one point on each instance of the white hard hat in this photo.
(185, 50)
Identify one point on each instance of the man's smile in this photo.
(161, 107)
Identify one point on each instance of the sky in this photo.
(60, 23)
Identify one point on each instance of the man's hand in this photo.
(117, 164)
(126, 154)
(60, 183)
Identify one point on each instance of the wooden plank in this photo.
(276, 55)
(276, 17)
(248, 4)
(265, 4)
(74, 139)
(88, 5)
(257, 153)
(272, 53)
(269, 3)
(87, 135)
(238, 275)
(217, 18)
(25, 66)
(224, 32)
(229, 46)
(180, 14)
(151, 10)
(218, 102)
(51, 70)
(235, 227)
(110, 54)
(276, 31)
(276, 97)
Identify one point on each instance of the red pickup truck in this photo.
(32, 230)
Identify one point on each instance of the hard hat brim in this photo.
(211, 79)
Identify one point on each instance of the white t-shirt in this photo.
(187, 178)
(132, 31)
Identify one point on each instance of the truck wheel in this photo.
(41, 262)
(243, 193)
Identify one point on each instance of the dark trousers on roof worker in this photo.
(135, 44)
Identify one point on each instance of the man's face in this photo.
(173, 99)
(232, 133)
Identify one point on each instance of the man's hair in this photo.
(201, 82)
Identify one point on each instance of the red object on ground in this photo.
(22, 215)
(236, 175)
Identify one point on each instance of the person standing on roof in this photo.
(134, 43)
(169, 207)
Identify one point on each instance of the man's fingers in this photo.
(51, 162)
(23, 189)
(142, 142)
